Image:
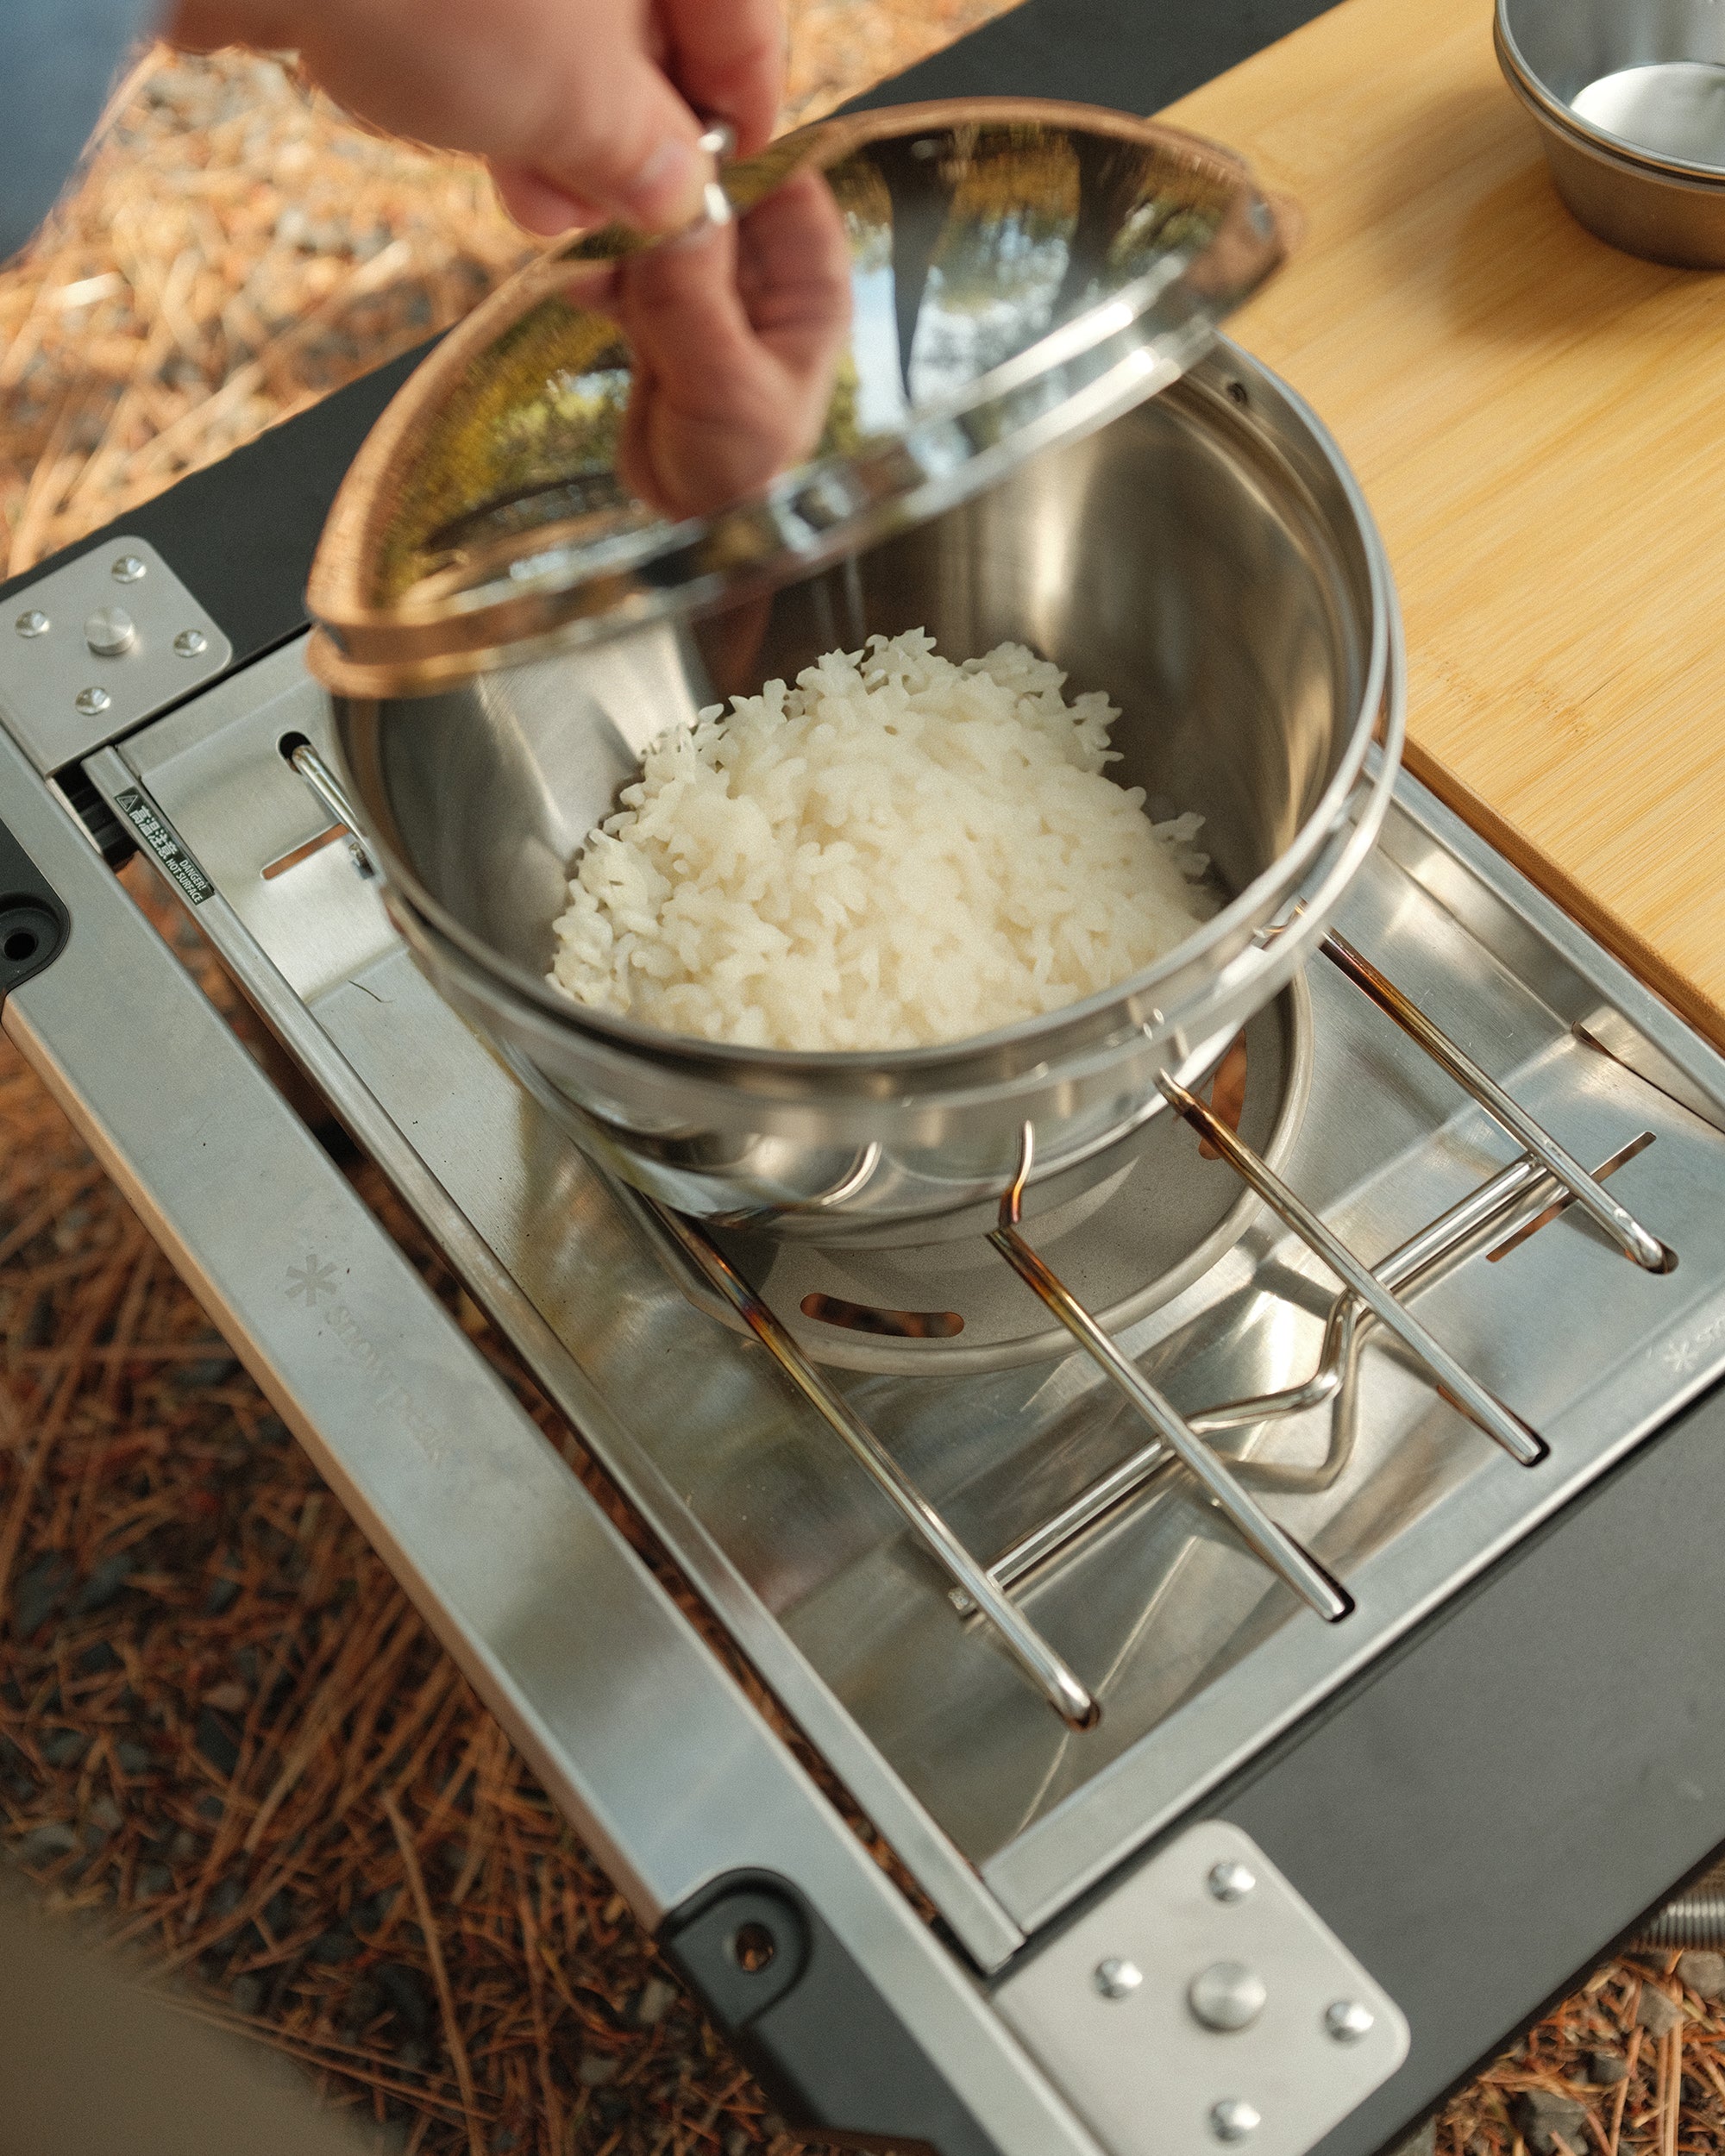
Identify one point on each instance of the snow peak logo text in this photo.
(1685, 1354)
(313, 1285)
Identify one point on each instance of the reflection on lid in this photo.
(905, 304)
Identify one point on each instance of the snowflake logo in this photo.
(1682, 1356)
(307, 1282)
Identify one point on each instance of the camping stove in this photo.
(1148, 1579)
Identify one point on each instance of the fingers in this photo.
(536, 205)
(205, 26)
(738, 332)
(794, 270)
(564, 95)
(728, 58)
(610, 129)
(684, 316)
(586, 108)
(707, 415)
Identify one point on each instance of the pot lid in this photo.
(889, 311)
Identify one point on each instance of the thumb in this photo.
(626, 142)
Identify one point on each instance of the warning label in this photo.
(163, 841)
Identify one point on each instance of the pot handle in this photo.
(331, 794)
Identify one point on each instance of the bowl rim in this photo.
(1616, 150)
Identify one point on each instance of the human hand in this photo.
(737, 331)
(585, 110)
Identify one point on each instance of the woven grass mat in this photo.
(222, 1729)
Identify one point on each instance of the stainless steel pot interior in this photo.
(1206, 559)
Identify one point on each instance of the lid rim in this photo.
(1116, 351)
(366, 661)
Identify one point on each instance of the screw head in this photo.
(1226, 1996)
(32, 622)
(1233, 2119)
(1348, 2021)
(1231, 1880)
(129, 568)
(92, 702)
(110, 630)
(192, 643)
(1117, 1979)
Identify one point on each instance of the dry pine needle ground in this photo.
(223, 1729)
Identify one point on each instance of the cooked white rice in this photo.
(898, 850)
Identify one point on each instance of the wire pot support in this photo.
(1368, 1297)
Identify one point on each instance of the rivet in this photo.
(192, 643)
(1226, 1996)
(33, 623)
(1234, 2118)
(129, 569)
(1231, 1880)
(1348, 2021)
(91, 702)
(1117, 1979)
(110, 630)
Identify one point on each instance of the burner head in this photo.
(1160, 1216)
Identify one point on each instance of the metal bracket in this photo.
(95, 646)
(1205, 2003)
(837, 2055)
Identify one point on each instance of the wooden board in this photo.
(1539, 423)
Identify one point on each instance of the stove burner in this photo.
(1158, 1221)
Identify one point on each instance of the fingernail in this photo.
(670, 189)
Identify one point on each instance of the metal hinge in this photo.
(1203, 2005)
(92, 648)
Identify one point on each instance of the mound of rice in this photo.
(896, 851)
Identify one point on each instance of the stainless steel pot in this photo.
(1206, 558)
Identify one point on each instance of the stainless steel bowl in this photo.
(1629, 95)
(1206, 559)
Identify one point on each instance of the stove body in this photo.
(1044, 1856)
(1200, 1655)
(1441, 1807)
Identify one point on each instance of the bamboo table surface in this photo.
(1538, 423)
